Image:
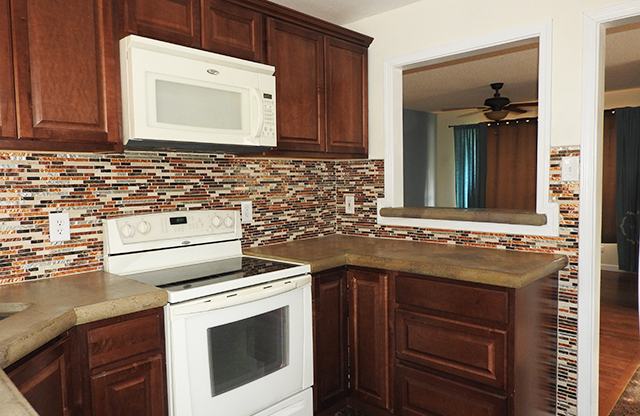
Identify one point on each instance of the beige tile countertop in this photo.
(48, 307)
(507, 268)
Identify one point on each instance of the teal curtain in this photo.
(471, 165)
(628, 187)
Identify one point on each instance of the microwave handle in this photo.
(255, 94)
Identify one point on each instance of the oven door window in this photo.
(244, 351)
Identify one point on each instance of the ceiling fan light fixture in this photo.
(496, 115)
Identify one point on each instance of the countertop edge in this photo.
(11, 401)
(350, 255)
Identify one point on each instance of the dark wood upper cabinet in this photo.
(231, 29)
(298, 56)
(7, 93)
(346, 97)
(174, 21)
(66, 89)
(321, 92)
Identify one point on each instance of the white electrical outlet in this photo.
(349, 202)
(246, 214)
(59, 229)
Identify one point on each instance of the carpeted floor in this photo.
(629, 402)
(350, 411)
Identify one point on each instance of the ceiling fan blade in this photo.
(463, 108)
(478, 111)
(515, 109)
(525, 104)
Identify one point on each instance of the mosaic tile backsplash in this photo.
(292, 199)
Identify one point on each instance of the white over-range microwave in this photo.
(174, 97)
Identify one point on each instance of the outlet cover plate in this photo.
(246, 212)
(59, 229)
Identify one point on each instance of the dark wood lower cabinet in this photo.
(330, 328)
(112, 367)
(474, 349)
(423, 346)
(44, 378)
(369, 336)
(134, 389)
(420, 393)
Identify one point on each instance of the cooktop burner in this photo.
(211, 273)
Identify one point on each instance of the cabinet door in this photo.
(232, 30)
(297, 54)
(123, 365)
(65, 66)
(330, 338)
(137, 389)
(346, 71)
(175, 21)
(423, 394)
(7, 98)
(44, 379)
(369, 337)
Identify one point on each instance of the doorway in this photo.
(589, 261)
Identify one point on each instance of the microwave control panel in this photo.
(269, 124)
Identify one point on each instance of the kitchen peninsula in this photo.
(404, 327)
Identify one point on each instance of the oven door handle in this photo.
(237, 297)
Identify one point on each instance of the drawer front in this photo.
(471, 351)
(423, 394)
(120, 340)
(455, 297)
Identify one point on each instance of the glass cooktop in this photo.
(211, 273)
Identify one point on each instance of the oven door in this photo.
(240, 352)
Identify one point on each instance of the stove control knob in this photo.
(144, 227)
(216, 221)
(127, 230)
(228, 222)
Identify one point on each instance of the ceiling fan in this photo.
(497, 107)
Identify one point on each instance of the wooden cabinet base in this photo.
(44, 378)
(419, 393)
(113, 367)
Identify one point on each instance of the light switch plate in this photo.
(570, 166)
(59, 229)
(349, 202)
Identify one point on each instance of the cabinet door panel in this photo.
(369, 343)
(470, 351)
(45, 379)
(232, 30)
(175, 21)
(297, 54)
(346, 71)
(136, 390)
(7, 99)
(122, 340)
(453, 297)
(424, 394)
(330, 325)
(65, 73)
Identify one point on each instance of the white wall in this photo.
(428, 24)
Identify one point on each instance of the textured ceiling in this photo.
(342, 12)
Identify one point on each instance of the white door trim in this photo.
(594, 26)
